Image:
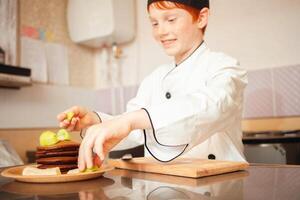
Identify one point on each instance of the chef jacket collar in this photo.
(195, 54)
(188, 62)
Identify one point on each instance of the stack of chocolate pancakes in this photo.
(63, 154)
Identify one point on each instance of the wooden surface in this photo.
(194, 168)
(271, 124)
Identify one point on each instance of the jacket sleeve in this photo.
(135, 138)
(196, 116)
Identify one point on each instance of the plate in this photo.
(16, 173)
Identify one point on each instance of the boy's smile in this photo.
(167, 43)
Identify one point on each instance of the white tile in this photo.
(258, 101)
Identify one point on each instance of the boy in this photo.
(191, 107)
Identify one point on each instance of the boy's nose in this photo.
(162, 30)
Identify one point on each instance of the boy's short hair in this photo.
(191, 6)
(164, 5)
(198, 4)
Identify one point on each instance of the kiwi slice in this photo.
(48, 138)
(63, 134)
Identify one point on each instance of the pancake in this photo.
(63, 154)
(57, 160)
(45, 154)
(60, 146)
(57, 150)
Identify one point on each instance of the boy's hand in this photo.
(77, 118)
(100, 139)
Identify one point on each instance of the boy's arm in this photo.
(101, 138)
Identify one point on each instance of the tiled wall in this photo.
(273, 92)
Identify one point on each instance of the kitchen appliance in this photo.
(8, 155)
(14, 77)
(97, 22)
(2, 55)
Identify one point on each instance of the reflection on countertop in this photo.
(258, 182)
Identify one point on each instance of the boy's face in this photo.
(175, 30)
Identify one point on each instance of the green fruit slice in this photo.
(48, 138)
(93, 169)
(63, 134)
(70, 115)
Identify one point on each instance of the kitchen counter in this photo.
(271, 137)
(259, 181)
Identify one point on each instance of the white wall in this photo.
(260, 34)
(38, 105)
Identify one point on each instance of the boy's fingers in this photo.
(98, 148)
(72, 125)
(61, 116)
(65, 124)
(97, 161)
(62, 125)
(76, 110)
(74, 121)
(88, 156)
(81, 163)
(79, 123)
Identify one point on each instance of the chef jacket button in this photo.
(168, 95)
(211, 157)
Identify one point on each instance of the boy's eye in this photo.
(154, 23)
(171, 19)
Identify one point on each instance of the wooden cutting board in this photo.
(186, 167)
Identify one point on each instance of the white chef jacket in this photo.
(195, 109)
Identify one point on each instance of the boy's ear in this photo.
(203, 18)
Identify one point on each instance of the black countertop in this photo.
(271, 137)
(257, 182)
